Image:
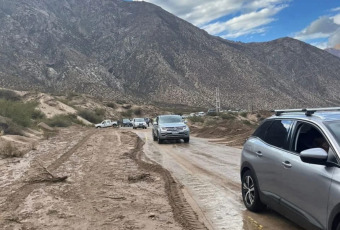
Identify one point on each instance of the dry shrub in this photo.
(49, 134)
(10, 151)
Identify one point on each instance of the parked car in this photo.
(170, 127)
(139, 123)
(106, 123)
(292, 164)
(126, 123)
(201, 114)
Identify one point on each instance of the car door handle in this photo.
(287, 164)
(259, 154)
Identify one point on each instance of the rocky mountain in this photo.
(136, 50)
(334, 51)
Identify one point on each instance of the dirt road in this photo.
(209, 174)
(106, 188)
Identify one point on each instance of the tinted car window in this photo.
(260, 132)
(170, 119)
(277, 133)
(334, 127)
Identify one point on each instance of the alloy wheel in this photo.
(249, 190)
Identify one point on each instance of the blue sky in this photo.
(314, 21)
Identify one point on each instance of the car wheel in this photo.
(186, 140)
(160, 141)
(250, 193)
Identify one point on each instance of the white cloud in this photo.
(320, 45)
(324, 27)
(335, 9)
(250, 16)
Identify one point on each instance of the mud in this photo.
(97, 193)
(209, 175)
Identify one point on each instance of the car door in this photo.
(267, 157)
(305, 187)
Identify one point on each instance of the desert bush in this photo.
(37, 115)
(244, 114)
(13, 129)
(111, 105)
(210, 122)
(9, 95)
(127, 113)
(196, 119)
(90, 116)
(227, 116)
(48, 134)
(62, 120)
(99, 112)
(71, 95)
(246, 122)
(137, 112)
(212, 114)
(121, 102)
(19, 112)
(9, 151)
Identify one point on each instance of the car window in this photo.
(277, 133)
(260, 132)
(308, 136)
(170, 119)
(334, 128)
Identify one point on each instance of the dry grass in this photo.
(10, 151)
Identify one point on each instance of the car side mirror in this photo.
(314, 156)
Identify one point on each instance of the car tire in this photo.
(250, 193)
(337, 226)
(160, 141)
(186, 140)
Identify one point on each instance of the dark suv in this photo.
(291, 164)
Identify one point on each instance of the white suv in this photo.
(139, 123)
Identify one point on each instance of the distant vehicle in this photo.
(170, 127)
(211, 111)
(192, 114)
(291, 163)
(126, 123)
(139, 123)
(106, 123)
(201, 114)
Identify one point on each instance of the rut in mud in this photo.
(183, 212)
(108, 186)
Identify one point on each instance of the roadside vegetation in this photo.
(95, 116)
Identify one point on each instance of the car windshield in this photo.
(139, 119)
(170, 119)
(334, 128)
(126, 120)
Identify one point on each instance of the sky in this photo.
(316, 22)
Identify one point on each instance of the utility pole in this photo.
(218, 100)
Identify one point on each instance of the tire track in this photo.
(182, 210)
(18, 197)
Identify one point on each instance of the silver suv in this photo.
(170, 127)
(291, 164)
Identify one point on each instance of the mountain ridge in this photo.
(138, 51)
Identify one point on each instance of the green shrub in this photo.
(13, 129)
(212, 114)
(37, 114)
(90, 116)
(137, 112)
(210, 122)
(127, 113)
(227, 116)
(121, 102)
(196, 119)
(20, 113)
(111, 105)
(244, 114)
(62, 120)
(99, 112)
(9, 95)
(246, 122)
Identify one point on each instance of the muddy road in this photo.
(209, 174)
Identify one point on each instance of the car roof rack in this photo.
(307, 111)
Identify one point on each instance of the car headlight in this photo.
(185, 128)
(164, 129)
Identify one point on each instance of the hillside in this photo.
(137, 51)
